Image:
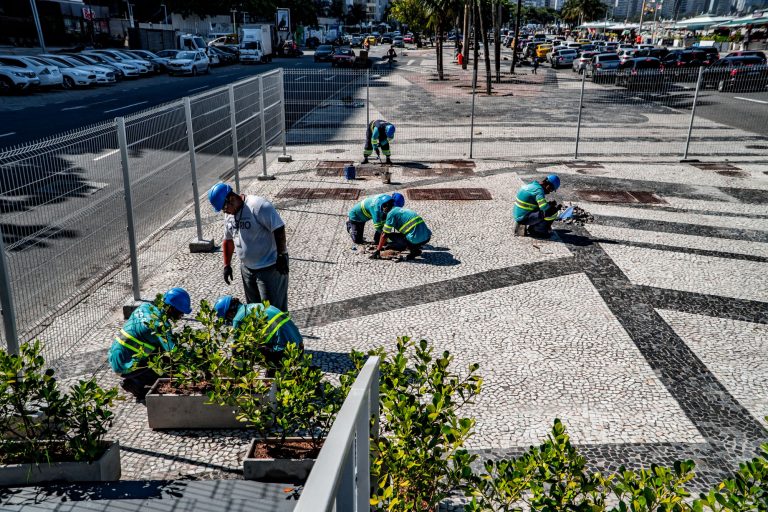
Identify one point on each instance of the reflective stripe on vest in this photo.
(408, 226)
(365, 212)
(125, 340)
(525, 206)
(277, 328)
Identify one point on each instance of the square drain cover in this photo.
(715, 166)
(619, 196)
(319, 193)
(448, 194)
(439, 171)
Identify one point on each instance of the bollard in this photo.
(264, 176)
(6, 303)
(200, 244)
(284, 157)
(578, 122)
(693, 116)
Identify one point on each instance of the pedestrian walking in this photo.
(140, 338)
(254, 229)
(535, 65)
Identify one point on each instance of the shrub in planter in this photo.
(40, 424)
(419, 458)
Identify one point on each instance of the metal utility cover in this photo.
(715, 166)
(448, 194)
(584, 165)
(359, 171)
(438, 171)
(619, 196)
(332, 164)
(319, 193)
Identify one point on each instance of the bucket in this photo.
(386, 177)
(349, 172)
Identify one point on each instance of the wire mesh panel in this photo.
(272, 82)
(63, 224)
(247, 115)
(212, 129)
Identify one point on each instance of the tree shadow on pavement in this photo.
(18, 237)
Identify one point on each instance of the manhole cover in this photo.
(584, 165)
(619, 196)
(448, 194)
(335, 150)
(319, 193)
(716, 166)
(591, 172)
(733, 174)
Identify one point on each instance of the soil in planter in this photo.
(166, 388)
(16, 452)
(291, 449)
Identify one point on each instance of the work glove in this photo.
(376, 255)
(282, 263)
(554, 206)
(228, 274)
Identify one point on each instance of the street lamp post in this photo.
(130, 13)
(165, 14)
(234, 21)
(37, 25)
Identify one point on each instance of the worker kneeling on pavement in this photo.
(139, 339)
(403, 229)
(370, 209)
(378, 134)
(533, 211)
(279, 331)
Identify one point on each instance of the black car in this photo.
(712, 54)
(748, 53)
(324, 53)
(736, 73)
(656, 53)
(644, 73)
(683, 65)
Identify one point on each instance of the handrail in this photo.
(340, 478)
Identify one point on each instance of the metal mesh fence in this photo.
(62, 201)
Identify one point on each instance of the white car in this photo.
(49, 76)
(122, 69)
(145, 67)
(189, 63)
(72, 76)
(103, 75)
(17, 79)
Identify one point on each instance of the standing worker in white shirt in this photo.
(255, 230)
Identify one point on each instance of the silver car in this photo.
(580, 62)
(14, 79)
(73, 77)
(602, 67)
(563, 58)
(49, 76)
(103, 75)
(189, 63)
(145, 67)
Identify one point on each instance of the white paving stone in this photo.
(650, 214)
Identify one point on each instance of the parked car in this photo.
(343, 57)
(625, 55)
(712, 54)
(14, 79)
(656, 53)
(72, 77)
(223, 56)
(167, 54)
(49, 75)
(748, 53)
(602, 67)
(398, 42)
(580, 62)
(103, 75)
(408, 38)
(682, 65)
(563, 58)
(160, 63)
(324, 53)
(123, 69)
(189, 63)
(145, 67)
(736, 73)
(386, 39)
(641, 73)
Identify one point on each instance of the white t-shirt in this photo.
(251, 229)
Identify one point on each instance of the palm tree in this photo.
(484, 35)
(439, 15)
(577, 11)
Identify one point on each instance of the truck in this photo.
(256, 43)
(190, 42)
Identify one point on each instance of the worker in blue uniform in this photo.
(378, 135)
(532, 212)
(370, 209)
(139, 339)
(403, 229)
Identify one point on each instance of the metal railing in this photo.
(67, 201)
(341, 478)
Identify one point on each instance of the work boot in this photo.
(388, 161)
(365, 160)
(413, 254)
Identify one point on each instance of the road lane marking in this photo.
(7, 134)
(410, 62)
(75, 108)
(199, 88)
(105, 155)
(750, 99)
(330, 78)
(127, 106)
(300, 78)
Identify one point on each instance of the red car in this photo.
(408, 38)
(343, 57)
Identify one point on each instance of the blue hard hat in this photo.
(554, 180)
(390, 131)
(383, 198)
(399, 199)
(218, 195)
(222, 305)
(179, 299)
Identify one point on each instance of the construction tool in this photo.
(575, 215)
(294, 493)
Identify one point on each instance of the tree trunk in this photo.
(465, 49)
(497, 39)
(439, 50)
(486, 49)
(517, 38)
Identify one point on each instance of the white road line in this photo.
(105, 155)
(199, 88)
(410, 62)
(75, 108)
(300, 78)
(127, 106)
(7, 134)
(750, 99)
(330, 78)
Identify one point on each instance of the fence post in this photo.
(472, 120)
(345, 494)
(264, 175)
(693, 115)
(233, 124)
(578, 122)
(200, 244)
(367, 98)
(284, 157)
(6, 303)
(122, 139)
(363, 454)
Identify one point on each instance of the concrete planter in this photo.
(105, 469)
(189, 412)
(280, 470)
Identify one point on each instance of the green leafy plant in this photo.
(747, 490)
(40, 423)
(419, 457)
